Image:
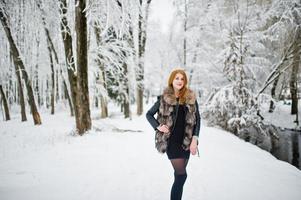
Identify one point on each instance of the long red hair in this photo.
(183, 91)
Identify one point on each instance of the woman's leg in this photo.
(179, 165)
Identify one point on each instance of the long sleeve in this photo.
(197, 126)
(151, 112)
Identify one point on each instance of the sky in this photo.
(162, 11)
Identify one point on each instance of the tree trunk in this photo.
(142, 24)
(57, 93)
(273, 93)
(11, 84)
(283, 83)
(52, 80)
(126, 102)
(18, 62)
(47, 92)
(36, 80)
(104, 107)
(102, 77)
(5, 105)
(67, 95)
(83, 123)
(20, 93)
(140, 69)
(294, 74)
(37, 87)
(126, 111)
(42, 83)
(67, 39)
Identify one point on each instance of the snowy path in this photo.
(46, 162)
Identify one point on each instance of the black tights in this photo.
(179, 165)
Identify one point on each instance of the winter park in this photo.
(150, 99)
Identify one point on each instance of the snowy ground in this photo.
(47, 162)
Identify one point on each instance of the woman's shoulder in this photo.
(190, 96)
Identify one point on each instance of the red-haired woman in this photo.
(177, 126)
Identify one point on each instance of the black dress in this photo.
(175, 149)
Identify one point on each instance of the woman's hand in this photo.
(193, 146)
(163, 128)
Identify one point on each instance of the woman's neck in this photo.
(177, 93)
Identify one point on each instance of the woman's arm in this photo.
(197, 126)
(196, 131)
(151, 112)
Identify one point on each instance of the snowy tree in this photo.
(19, 64)
(83, 120)
(114, 53)
(5, 104)
(52, 53)
(235, 107)
(68, 49)
(142, 27)
(284, 15)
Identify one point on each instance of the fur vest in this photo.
(167, 115)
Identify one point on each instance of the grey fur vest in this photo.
(167, 115)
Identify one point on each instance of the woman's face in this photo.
(178, 82)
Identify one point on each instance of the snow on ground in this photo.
(117, 160)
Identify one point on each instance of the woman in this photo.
(177, 127)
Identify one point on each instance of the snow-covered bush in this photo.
(231, 109)
(240, 116)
